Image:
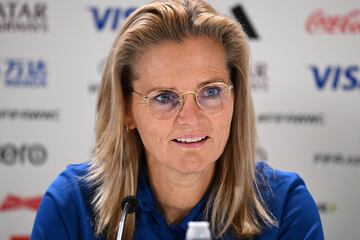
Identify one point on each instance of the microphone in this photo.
(128, 205)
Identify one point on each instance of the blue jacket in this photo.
(65, 211)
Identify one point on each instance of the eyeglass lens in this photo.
(210, 98)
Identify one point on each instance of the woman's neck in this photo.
(176, 194)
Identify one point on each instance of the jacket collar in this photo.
(147, 201)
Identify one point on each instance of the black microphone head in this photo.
(130, 202)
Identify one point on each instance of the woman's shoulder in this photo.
(74, 171)
(276, 179)
(277, 186)
(66, 206)
(70, 181)
(289, 202)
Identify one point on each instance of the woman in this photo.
(175, 127)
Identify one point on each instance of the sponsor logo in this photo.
(259, 77)
(110, 17)
(320, 23)
(241, 16)
(339, 159)
(336, 77)
(34, 154)
(326, 207)
(20, 237)
(23, 73)
(292, 118)
(18, 16)
(29, 114)
(13, 202)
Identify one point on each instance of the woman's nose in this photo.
(189, 113)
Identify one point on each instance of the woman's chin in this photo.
(187, 167)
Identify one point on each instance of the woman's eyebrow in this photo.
(211, 80)
(199, 85)
(153, 89)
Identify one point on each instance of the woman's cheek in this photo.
(154, 143)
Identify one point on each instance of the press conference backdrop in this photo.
(305, 80)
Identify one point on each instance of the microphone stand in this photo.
(129, 205)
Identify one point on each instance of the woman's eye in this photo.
(211, 92)
(165, 98)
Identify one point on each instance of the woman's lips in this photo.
(191, 142)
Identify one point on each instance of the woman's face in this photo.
(190, 140)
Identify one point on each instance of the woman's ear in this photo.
(129, 120)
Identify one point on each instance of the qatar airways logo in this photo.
(12, 202)
(321, 23)
(22, 16)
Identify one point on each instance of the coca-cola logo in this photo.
(318, 22)
(12, 202)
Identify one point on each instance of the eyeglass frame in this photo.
(182, 99)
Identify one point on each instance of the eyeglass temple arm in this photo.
(139, 94)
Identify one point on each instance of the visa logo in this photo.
(109, 17)
(336, 77)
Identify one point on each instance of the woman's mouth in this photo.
(191, 142)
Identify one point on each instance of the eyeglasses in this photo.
(210, 98)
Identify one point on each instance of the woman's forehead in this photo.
(174, 64)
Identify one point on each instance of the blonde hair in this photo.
(234, 203)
